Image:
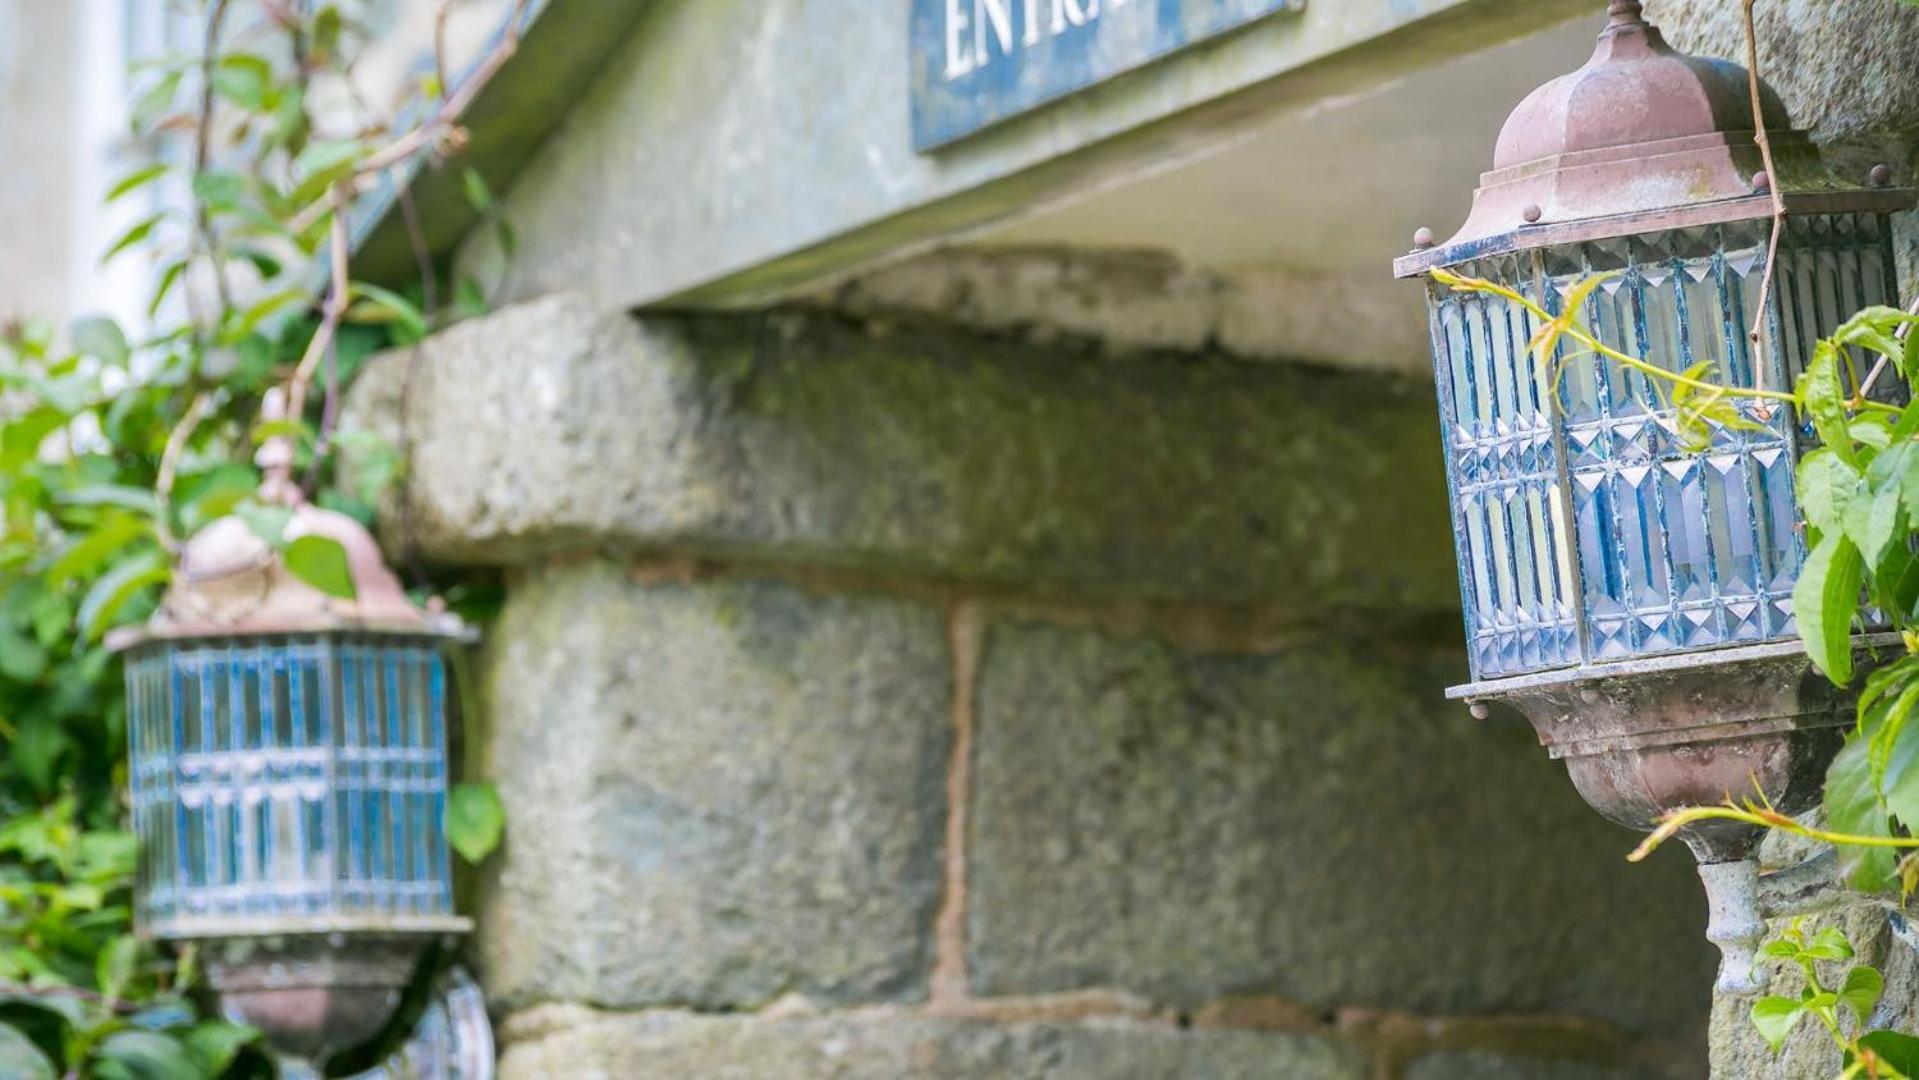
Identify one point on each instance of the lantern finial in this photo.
(1623, 13)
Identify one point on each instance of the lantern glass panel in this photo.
(285, 781)
(1587, 532)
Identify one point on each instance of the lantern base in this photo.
(452, 1040)
(313, 995)
(1643, 738)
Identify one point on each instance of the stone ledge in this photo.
(552, 427)
(580, 1044)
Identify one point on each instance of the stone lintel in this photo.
(795, 439)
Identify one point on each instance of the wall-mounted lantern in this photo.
(289, 772)
(1632, 597)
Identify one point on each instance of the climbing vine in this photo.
(118, 440)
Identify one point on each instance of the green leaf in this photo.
(164, 285)
(1897, 1050)
(321, 562)
(1825, 402)
(144, 1055)
(1888, 739)
(154, 101)
(214, 1044)
(1828, 944)
(1853, 805)
(1872, 430)
(219, 190)
(115, 964)
(100, 337)
(91, 551)
(1827, 485)
(22, 658)
(1824, 600)
(475, 821)
(1871, 520)
(127, 497)
(321, 163)
(20, 440)
(1861, 990)
(116, 588)
(1780, 949)
(139, 231)
(1774, 1016)
(38, 743)
(243, 80)
(21, 1059)
(258, 311)
(478, 195)
(388, 306)
(136, 179)
(468, 300)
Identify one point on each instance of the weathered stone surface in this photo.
(1844, 67)
(716, 793)
(1313, 824)
(554, 427)
(1482, 1065)
(580, 1045)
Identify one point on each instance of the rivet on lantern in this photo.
(1630, 596)
(1424, 238)
(1880, 176)
(289, 772)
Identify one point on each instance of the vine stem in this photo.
(1764, 817)
(330, 312)
(1564, 325)
(170, 466)
(1760, 324)
(203, 150)
(404, 147)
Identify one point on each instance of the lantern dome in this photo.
(229, 580)
(1636, 92)
(1642, 137)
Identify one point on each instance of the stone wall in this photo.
(921, 705)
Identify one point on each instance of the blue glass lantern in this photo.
(1587, 533)
(288, 760)
(1627, 592)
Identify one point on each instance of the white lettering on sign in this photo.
(975, 27)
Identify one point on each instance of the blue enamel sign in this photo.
(977, 62)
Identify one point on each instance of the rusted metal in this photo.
(313, 995)
(1641, 139)
(1646, 737)
(228, 581)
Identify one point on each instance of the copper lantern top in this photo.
(1641, 138)
(229, 581)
